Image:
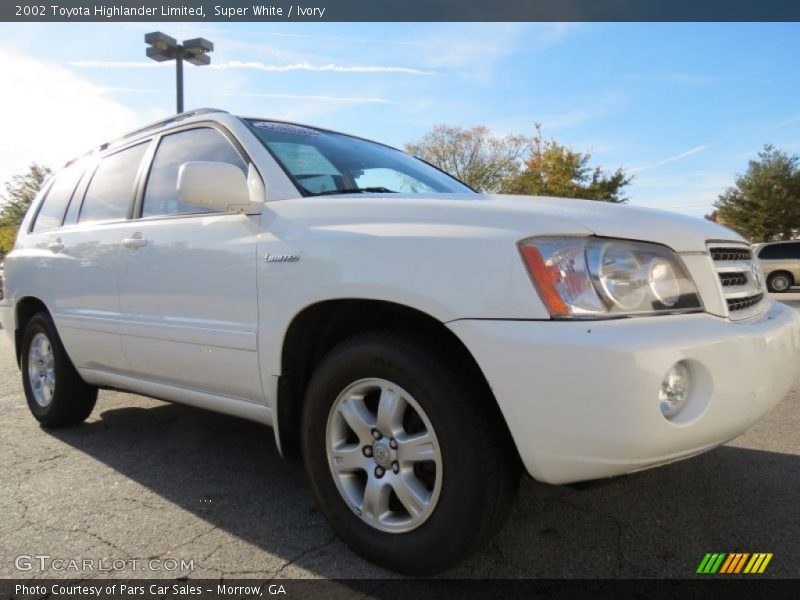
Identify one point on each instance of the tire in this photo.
(779, 282)
(473, 484)
(61, 397)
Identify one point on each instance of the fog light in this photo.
(674, 390)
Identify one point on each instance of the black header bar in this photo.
(399, 10)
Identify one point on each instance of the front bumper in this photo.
(581, 398)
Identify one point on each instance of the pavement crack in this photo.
(49, 458)
(187, 542)
(303, 554)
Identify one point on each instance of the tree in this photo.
(19, 194)
(474, 155)
(552, 169)
(764, 203)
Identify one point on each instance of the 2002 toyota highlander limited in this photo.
(417, 342)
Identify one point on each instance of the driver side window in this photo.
(203, 144)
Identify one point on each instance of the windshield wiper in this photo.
(357, 190)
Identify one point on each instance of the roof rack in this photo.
(169, 120)
(152, 126)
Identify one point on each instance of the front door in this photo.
(187, 280)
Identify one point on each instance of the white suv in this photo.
(419, 343)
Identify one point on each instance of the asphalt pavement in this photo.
(152, 481)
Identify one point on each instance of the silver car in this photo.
(780, 263)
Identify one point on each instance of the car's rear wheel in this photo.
(407, 458)
(779, 282)
(56, 394)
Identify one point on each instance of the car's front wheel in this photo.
(56, 394)
(407, 458)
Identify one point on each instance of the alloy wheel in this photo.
(384, 455)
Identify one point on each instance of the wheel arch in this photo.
(24, 310)
(321, 326)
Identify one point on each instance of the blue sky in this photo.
(681, 106)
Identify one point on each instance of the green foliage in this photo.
(8, 234)
(474, 155)
(16, 200)
(764, 203)
(553, 169)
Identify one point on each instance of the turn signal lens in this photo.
(561, 276)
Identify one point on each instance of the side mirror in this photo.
(220, 186)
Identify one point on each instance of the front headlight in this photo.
(591, 277)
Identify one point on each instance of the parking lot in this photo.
(144, 479)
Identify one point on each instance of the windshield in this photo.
(325, 163)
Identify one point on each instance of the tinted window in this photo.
(324, 162)
(55, 203)
(778, 251)
(111, 190)
(391, 179)
(206, 144)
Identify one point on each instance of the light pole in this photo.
(163, 47)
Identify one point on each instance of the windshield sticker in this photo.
(287, 128)
(303, 160)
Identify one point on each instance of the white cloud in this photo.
(49, 115)
(260, 66)
(305, 66)
(118, 64)
(270, 95)
(693, 193)
(474, 49)
(678, 78)
(670, 159)
(580, 110)
(338, 99)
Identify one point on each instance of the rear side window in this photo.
(55, 203)
(204, 144)
(110, 191)
(779, 251)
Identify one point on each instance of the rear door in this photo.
(84, 252)
(187, 279)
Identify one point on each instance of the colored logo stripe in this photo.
(734, 562)
(758, 563)
(711, 562)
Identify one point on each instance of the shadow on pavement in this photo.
(656, 523)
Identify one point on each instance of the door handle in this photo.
(137, 241)
(56, 247)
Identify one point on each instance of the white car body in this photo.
(201, 313)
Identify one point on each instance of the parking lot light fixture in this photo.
(163, 47)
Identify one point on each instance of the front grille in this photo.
(742, 290)
(742, 303)
(725, 254)
(732, 279)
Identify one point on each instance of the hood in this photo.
(516, 216)
(682, 233)
(541, 215)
